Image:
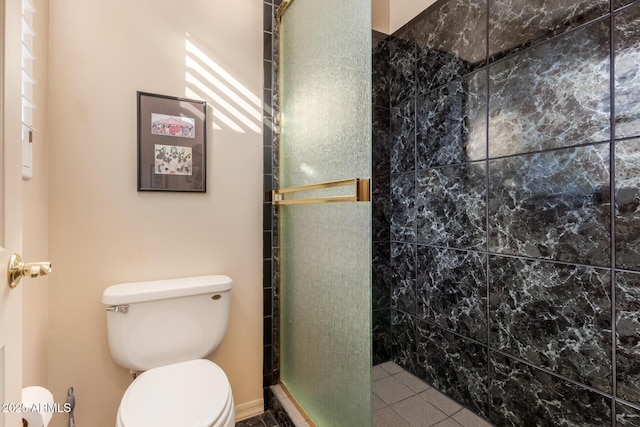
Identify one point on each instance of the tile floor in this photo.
(399, 400)
(403, 400)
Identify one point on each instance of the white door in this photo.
(10, 209)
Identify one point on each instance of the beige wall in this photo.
(35, 223)
(389, 15)
(403, 11)
(102, 231)
(380, 16)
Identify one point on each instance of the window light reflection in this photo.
(233, 104)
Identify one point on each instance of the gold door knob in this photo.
(17, 269)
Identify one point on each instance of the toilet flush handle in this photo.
(119, 308)
(17, 269)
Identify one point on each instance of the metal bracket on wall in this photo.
(283, 8)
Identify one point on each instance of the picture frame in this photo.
(172, 143)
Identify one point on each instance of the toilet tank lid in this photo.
(128, 293)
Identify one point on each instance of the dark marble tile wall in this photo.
(627, 80)
(517, 24)
(513, 207)
(381, 200)
(534, 92)
(453, 364)
(553, 205)
(271, 317)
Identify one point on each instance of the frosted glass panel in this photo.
(326, 248)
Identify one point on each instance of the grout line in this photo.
(488, 66)
(612, 190)
(458, 411)
(522, 257)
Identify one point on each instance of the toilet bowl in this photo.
(164, 328)
(189, 394)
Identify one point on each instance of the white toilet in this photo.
(165, 328)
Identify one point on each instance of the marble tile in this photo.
(451, 123)
(276, 283)
(453, 365)
(450, 42)
(403, 277)
(555, 316)
(402, 69)
(626, 416)
(251, 422)
(275, 163)
(381, 208)
(380, 74)
(381, 335)
(381, 275)
(381, 142)
(269, 420)
(275, 226)
(450, 203)
(628, 336)
(452, 290)
(267, 12)
(553, 95)
(518, 24)
(403, 346)
(627, 72)
(552, 205)
(403, 137)
(403, 207)
(275, 26)
(627, 199)
(275, 86)
(521, 394)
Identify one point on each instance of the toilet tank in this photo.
(160, 322)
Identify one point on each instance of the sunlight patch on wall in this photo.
(234, 106)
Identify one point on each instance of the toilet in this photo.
(165, 328)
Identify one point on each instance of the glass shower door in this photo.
(325, 72)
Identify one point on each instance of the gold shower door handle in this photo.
(361, 192)
(17, 269)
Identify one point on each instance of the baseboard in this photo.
(249, 409)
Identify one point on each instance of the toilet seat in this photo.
(177, 395)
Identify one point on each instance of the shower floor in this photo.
(399, 399)
(403, 400)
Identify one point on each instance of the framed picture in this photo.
(172, 149)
